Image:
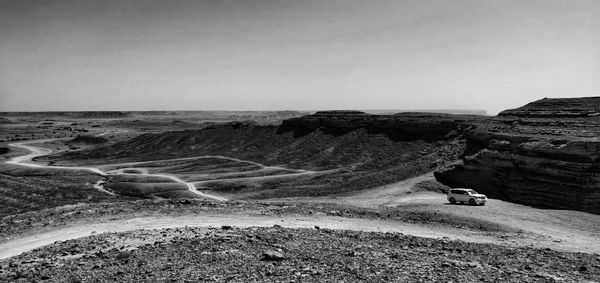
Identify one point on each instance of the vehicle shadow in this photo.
(466, 204)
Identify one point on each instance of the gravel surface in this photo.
(229, 254)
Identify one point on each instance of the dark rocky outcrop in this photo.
(545, 155)
(398, 127)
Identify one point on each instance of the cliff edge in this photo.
(546, 153)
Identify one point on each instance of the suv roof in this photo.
(463, 191)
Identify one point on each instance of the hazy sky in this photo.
(296, 54)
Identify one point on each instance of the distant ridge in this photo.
(241, 115)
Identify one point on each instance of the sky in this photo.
(295, 55)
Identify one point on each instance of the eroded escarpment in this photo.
(324, 140)
(550, 158)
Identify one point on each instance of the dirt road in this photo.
(36, 151)
(23, 244)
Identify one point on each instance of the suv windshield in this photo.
(472, 192)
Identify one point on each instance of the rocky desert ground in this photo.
(340, 196)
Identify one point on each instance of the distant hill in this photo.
(151, 117)
(68, 114)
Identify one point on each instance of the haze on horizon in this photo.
(296, 55)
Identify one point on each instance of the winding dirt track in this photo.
(36, 151)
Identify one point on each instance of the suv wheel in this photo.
(472, 201)
(452, 201)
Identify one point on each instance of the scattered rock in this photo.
(294, 255)
(122, 255)
(271, 255)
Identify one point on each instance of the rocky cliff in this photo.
(546, 153)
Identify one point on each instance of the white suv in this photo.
(466, 195)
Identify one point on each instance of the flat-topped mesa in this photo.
(548, 155)
(398, 127)
(557, 108)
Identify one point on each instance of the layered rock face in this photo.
(549, 156)
(558, 107)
